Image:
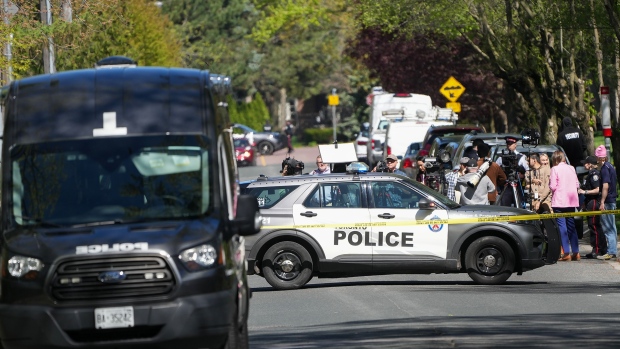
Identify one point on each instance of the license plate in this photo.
(114, 317)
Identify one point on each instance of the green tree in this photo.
(98, 28)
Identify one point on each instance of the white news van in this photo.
(400, 134)
(390, 106)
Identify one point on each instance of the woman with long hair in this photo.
(564, 186)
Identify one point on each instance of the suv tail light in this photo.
(389, 150)
(423, 152)
(407, 163)
(374, 142)
(362, 143)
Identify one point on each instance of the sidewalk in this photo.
(307, 155)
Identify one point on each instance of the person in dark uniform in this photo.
(591, 189)
(573, 142)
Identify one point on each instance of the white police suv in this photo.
(353, 224)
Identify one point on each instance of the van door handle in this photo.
(308, 214)
(386, 216)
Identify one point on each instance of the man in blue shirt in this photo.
(608, 202)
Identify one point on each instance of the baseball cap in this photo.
(472, 162)
(391, 157)
(589, 160)
(510, 139)
(464, 160)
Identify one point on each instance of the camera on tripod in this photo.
(530, 137)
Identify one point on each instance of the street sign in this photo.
(455, 106)
(332, 100)
(452, 89)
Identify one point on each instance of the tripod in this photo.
(513, 194)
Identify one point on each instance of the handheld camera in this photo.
(291, 167)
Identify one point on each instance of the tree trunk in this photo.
(49, 65)
(282, 115)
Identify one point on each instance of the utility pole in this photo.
(8, 74)
(49, 61)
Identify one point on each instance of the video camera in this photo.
(530, 137)
(381, 166)
(291, 167)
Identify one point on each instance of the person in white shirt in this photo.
(322, 168)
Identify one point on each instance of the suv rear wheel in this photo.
(265, 148)
(287, 266)
(489, 260)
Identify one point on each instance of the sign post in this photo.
(606, 116)
(333, 101)
(452, 89)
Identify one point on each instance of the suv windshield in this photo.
(109, 180)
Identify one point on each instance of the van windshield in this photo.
(110, 180)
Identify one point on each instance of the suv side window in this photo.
(394, 195)
(340, 195)
(268, 197)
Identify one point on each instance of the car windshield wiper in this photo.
(39, 222)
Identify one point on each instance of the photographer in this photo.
(537, 181)
(291, 167)
(478, 195)
(495, 172)
(389, 166)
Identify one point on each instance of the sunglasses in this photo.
(390, 160)
(319, 163)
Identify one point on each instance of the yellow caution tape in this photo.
(529, 217)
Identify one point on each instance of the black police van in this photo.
(121, 220)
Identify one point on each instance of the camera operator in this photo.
(389, 166)
(591, 189)
(511, 145)
(291, 167)
(572, 140)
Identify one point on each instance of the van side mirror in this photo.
(248, 220)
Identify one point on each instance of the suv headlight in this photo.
(19, 266)
(199, 257)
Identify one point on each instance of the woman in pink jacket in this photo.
(564, 185)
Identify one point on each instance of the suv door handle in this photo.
(386, 216)
(308, 214)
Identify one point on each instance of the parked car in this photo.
(447, 130)
(265, 142)
(245, 153)
(361, 142)
(492, 139)
(407, 164)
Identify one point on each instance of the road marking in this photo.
(262, 160)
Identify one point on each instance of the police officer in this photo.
(591, 189)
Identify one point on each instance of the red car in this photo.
(246, 154)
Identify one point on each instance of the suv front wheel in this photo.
(489, 260)
(287, 266)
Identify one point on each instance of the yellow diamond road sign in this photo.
(452, 89)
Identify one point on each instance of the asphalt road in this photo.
(567, 305)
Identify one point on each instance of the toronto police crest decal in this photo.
(435, 227)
